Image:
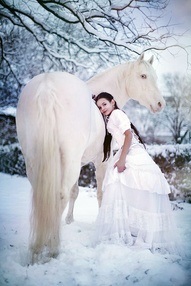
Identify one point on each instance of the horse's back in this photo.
(64, 98)
(64, 89)
(44, 90)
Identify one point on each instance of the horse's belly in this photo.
(94, 149)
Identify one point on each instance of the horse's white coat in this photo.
(60, 128)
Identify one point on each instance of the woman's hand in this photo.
(120, 166)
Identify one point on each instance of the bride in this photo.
(135, 209)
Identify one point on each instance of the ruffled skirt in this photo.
(135, 208)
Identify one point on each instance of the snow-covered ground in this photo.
(79, 263)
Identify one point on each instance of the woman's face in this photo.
(105, 106)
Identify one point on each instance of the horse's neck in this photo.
(113, 81)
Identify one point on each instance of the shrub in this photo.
(175, 163)
(11, 160)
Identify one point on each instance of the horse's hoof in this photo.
(69, 219)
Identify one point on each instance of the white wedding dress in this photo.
(135, 208)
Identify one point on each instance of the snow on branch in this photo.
(98, 31)
(129, 25)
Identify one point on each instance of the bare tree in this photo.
(79, 36)
(177, 114)
(69, 29)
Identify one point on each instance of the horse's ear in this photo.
(141, 57)
(151, 60)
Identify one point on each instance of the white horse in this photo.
(60, 129)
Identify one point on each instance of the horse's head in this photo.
(142, 85)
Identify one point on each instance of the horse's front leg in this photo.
(100, 173)
(73, 196)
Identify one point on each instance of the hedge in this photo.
(174, 161)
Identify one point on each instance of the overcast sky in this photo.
(180, 12)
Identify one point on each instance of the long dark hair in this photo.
(108, 137)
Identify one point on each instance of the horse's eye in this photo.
(143, 76)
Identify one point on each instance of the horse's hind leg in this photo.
(73, 196)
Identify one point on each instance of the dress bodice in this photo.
(117, 124)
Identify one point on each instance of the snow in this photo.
(8, 110)
(166, 149)
(78, 262)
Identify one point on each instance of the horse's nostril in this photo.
(159, 104)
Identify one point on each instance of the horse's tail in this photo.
(46, 210)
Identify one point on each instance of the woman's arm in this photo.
(120, 164)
